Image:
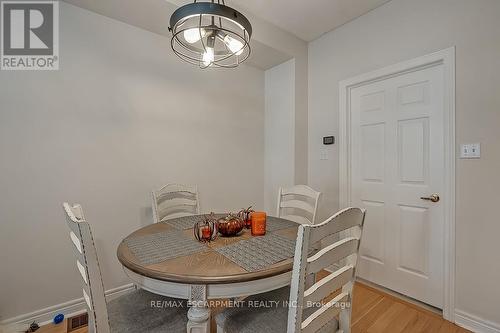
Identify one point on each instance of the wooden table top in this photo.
(207, 267)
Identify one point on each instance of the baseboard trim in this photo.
(70, 308)
(474, 323)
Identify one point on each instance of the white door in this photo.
(397, 157)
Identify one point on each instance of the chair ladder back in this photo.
(88, 266)
(301, 200)
(174, 200)
(348, 218)
(343, 251)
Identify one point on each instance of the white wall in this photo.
(123, 115)
(285, 42)
(402, 30)
(279, 131)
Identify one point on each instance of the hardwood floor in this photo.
(373, 311)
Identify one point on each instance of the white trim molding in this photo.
(474, 323)
(46, 315)
(446, 58)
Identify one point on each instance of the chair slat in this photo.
(83, 271)
(176, 215)
(86, 297)
(173, 202)
(296, 218)
(345, 219)
(76, 241)
(73, 227)
(332, 254)
(176, 188)
(167, 208)
(323, 315)
(299, 190)
(328, 284)
(297, 204)
(79, 256)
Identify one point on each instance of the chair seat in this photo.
(273, 319)
(141, 311)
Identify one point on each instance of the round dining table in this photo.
(166, 259)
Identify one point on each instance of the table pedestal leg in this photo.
(199, 312)
(199, 319)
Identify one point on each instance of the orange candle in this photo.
(205, 232)
(258, 223)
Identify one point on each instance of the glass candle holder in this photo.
(206, 229)
(258, 223)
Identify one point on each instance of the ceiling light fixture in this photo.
(210, 34)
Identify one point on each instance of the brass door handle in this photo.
(433, 197)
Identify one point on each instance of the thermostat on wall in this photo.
(328, 140)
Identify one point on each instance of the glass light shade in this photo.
(234, 45)
(208, 56)
(193, 35)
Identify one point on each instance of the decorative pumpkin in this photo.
(231, 225)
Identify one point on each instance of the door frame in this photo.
(446, 58)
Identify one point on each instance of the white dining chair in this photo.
(175, 200)
(133, 312)
(301, 308)
(298, 203)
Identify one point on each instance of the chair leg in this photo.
(345, 320)
(193, 327)
(345, 314)
(220, 329)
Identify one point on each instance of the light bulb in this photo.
(233, 44)
(208, 56)
(193, 35)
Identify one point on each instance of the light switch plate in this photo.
(470, 150)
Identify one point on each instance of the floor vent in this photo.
(77, 322)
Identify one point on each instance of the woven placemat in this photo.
(275, 223)
(188, 222)
(161, 246)
(257, 253)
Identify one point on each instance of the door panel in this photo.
(372, 147)
(413, 150)
(413, 234)
(372, 247)
(397, 158)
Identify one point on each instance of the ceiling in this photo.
(307, 19)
